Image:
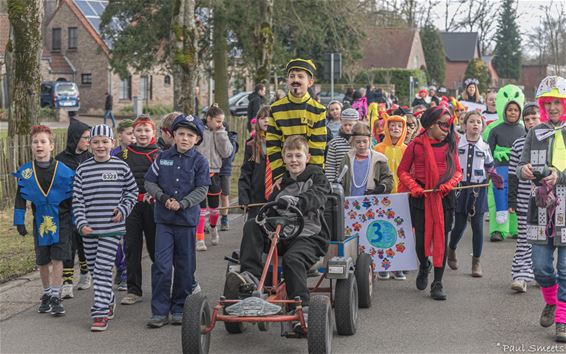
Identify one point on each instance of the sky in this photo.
(528, 11)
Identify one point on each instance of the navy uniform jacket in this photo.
(178, 175)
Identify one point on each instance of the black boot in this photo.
(436, 291)
(422, 277)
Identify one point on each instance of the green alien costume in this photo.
(500, 135)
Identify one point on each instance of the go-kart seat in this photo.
(334, 212)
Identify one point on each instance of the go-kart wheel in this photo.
(346, 305)
(364, 278)
(234, 327)
(196, 317)
(263, 326)
(320, 328)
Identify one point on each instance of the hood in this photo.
(509, 94)
(309, 171)
(387, 138)
(74, 133)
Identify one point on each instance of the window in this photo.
(86, 79)
(143, 87)
(72, 38)
(56, 39)
(126, 88)
(167, 81)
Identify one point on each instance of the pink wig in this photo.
(543, 115)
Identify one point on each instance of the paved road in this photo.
(480, 315)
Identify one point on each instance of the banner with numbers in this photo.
(383, 224)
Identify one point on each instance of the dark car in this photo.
(60, 94)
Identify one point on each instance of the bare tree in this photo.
(548, 39)
(478, 18)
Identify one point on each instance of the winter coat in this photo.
(379, 173)
(69, 157)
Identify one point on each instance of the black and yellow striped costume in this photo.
(295, 116)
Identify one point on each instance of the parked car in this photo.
(239, 104)
(325, 97)
(60, 94)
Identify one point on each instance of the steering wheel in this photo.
(291, 225)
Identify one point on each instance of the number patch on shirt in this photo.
(110, 176)
(166, 162)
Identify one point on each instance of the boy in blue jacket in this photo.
(178, 179)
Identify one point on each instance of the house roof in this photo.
(460, 46)
(4, 33)
(59, 64)
(387, 47)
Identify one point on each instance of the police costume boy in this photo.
(182, 177)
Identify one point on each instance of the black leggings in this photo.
(418, 220)
(477, 231)
(213, 198)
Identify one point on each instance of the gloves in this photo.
(445, 189)
(164, 198)
(22, 230)
(495, 178)
(416, 191)
(285, 201)
(378, 190)
(501, 154)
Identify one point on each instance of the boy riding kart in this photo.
(306, 188)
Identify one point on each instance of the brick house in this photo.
(532, 75)
(76, 52)
(459, 49)
(387, 47)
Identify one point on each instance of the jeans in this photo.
(477, 231)
(109, 114)
(543, 267)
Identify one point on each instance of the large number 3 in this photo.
(377, 233)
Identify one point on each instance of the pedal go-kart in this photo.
(350, 285)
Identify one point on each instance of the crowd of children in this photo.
(100, 198)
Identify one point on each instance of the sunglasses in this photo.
(443, 125)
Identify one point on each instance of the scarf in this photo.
(434, 213)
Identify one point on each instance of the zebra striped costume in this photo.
(519, 192)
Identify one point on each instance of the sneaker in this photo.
(561, 332)
(158, 321)
(547, 315)
(111, 310)
(383, 275)
(519, 286)
(196, 289)
(201, 246)
(177, 319)
(436, 291)
(67, 291)
(123, 286)
(496, 236)
(398, 275)
(232, 285)
(130, 299)
(224, 224)
(99, 324)
(422, 277)
(85, 281)
(45, 305)
(57, 308)
(214, 236)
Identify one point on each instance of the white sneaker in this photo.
(519, 286)
(501, 217)
(67, 291)
(214, 236)
(197, 289)
(201, 246)
(85, 281)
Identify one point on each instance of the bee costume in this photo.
(45, 202)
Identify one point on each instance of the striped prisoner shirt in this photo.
(518, 198)
(295, 116)
(99, 188)
(337, 148)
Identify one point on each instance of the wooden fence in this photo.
(10, 158)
